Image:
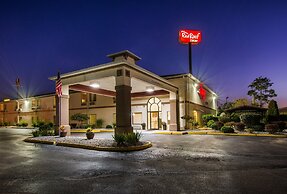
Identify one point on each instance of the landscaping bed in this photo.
(93, 144)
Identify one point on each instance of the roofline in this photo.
(111, 65)
(127, 52)
(191, 77)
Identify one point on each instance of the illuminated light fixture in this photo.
(149, 89)
(6, 100)
(195, 85)
(95, 85)
(26, 102)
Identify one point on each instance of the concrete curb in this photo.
(218, 133)
(94, 130)
(90, 147)
(109, 149)
(38, 141)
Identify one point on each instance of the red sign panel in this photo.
(189, 36)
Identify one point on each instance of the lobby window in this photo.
(168, 117)
(1, 107)
(93, 99)
(137, 118)
(83, 99)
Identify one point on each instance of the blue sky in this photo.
(241, 40)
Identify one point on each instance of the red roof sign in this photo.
(189, 36)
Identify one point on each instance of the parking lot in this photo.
(175, 164)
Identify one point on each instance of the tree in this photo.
(260, 90)
(272, 112)
(80, 118)
(240, 102)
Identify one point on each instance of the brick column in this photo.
(123, 102)
(174, 112)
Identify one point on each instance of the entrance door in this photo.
(154, 113)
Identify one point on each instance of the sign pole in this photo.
(190, 57)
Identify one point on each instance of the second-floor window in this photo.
(83, 99)
(93, 99)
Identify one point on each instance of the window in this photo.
(93, 99)
(83, 99)
(137, 118)
(1, 107)
(93, 118)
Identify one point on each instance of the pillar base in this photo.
(123, 130)
(173, 127)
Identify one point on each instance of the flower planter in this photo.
(63, 134)
(90, 135)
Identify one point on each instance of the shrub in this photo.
(227, 129)
(46, 129)
(210, 123)
(119, 138)
(217, 125)
(114, 125)
(109, 127)
(234, 117)
(208, 117)
(258, 127)
(272, 112)
(36, 133)
(133, 138)
(230, 124)
(99, 123)
(239, 126)
(250, 119)
(127, 139)
(224, 119)
(271, 128)
(22, 124)
(281, 125)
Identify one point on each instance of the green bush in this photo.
(272, 112)
(133, 138)
(99, 123)
(224, 119)
(239, 126)
(234, 117)
(109, 127)
(271, 128)
(258, 127)
(281, 125)
(36, 133)
(230, 124)
(250, 119)
(127, 139)
(210, 123)
(119, 138)
(22, 124)
(217, 125)
(46, 129)
(208, 117)
(226, 129)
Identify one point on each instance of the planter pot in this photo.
(90, 135)
(63, 134)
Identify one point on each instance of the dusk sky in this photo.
(241, 40)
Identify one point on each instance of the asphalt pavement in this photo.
(175, 164)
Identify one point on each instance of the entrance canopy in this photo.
(122, 79)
